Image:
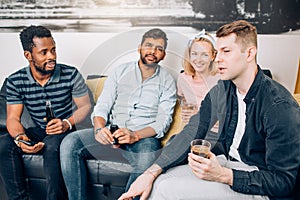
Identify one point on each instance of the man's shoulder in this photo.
(274, 91)
(19, 75)
(66, 68)
(19, 72)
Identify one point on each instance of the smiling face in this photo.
(231, 60)
(42, 59)
(152, 51)
(201, 55)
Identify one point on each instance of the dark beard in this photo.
(42, 70)
(148, 65)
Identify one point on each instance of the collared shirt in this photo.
(271, 140)
(65, 83)
(136, 104)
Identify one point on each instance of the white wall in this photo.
(93, 52)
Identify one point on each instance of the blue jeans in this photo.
(81, 145)
(12, 167)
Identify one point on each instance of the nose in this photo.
(218, 57)
(51, 55)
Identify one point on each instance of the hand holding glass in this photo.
(200, 147)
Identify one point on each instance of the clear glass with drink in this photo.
(200, 147)
(187, 109)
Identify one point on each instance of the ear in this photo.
(28, 56)
(251, 53)
(139, 48)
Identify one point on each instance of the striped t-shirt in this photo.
(65, 83)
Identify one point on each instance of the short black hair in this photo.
(156, 33)
(28, 33)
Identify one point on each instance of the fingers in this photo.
(123, 135)
(55, 126)
(32, 149)
(125, 196)
(104, 136)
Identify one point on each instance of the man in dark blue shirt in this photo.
(42, 81)
(258, 140)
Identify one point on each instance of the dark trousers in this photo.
(12, 166)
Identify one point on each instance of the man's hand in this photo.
(104, 136)
(125, 136)
(56, 126)
(210, 169)
(140, 187)
(29, 149)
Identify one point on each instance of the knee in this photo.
(73, 143)
(162, 190)
(68, 144)
(148, 145)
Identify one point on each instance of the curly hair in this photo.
(28, 33)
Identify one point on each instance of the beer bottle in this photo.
(49, 112)
(113, 128)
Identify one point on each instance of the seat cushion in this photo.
(102, 172)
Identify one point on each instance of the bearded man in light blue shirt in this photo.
(139, 97)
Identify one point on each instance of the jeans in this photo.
(12, 167)
(81, 145)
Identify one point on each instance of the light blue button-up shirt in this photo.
(136, 104)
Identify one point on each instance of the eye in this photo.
(148, 45)
(193, 53)
(53, 51)
(159, 48)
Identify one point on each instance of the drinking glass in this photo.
(200, 147)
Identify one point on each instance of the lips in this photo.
(50, 64)
(221, 70)
(151, 58)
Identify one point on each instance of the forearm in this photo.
(99, 122)
(154, 170)
(80, 114)
(145, 132)
(14, 127)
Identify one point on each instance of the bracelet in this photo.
(149, 172)
(98, 130)
(18, 135)
(68, 122)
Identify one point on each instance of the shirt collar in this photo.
(54, 78)
(156, 71)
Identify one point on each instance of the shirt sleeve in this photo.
(167, 102)
(79, 86)
(177, 150)
(180, 82)
(107, 98)
(13, 96)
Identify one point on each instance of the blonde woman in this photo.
(200, 73)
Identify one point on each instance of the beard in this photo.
(42, 69)
(144, 61)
